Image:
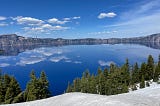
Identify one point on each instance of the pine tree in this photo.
(69, 88)
(142, 83)
(44, 86)
(1, 92)
(112, 68)
(143, 71)
(12, 91)
(125, 74)
(31, 92)
(118, 79)
(135, 74)
(157, 71)
(76, 85)
(99, 71)
(107, 87)
(101, 84)
(7, 80)
(2, 96)
(150, 68)
(84, 82)
(92, 85)
(19, 98)
(105, 73)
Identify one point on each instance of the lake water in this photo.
(63, 64)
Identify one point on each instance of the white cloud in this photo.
(3, 24)
(28, 20)
(34, 27)
(104, 15)
(77, 62)
(59, 28)
(4, 64)
(45, 28)
(66, 19)
(30, 60)
(68, 61)
(78, 17)
(49, 51)
(11, 23)
(104, 63)
(103, 32)
(58, 58)
(141, 9)
(56, 21)
(135, 20)
(2, 18)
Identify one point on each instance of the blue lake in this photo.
(64, 63)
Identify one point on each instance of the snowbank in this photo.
(143, 97)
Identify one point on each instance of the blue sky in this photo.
(80, 18)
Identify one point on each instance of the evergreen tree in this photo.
(76, 85)
(31, 92)
(142, 83)
(118, 79)
(7, 80)
(69, 88)
(2, 96)
(84, 82)
(101, 84)
(12, 91)
(150, 68)
(99, 71)
(143, 71)
(105, 73)
(135, 74)
(92, 84)
(157, 71)
(44, 86)
(112, 68)
(125, 74)
(19, 98)
(107, 87)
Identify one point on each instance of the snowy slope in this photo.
(149, 96)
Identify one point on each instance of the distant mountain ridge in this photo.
(13, 39)
(11, 44)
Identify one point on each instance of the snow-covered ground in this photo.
(149, 96)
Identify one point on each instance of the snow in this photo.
(148, 96)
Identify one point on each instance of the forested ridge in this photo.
(116, 80)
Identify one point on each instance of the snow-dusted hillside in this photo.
(149, 96)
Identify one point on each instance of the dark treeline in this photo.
(116, 80)
(10, 91)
